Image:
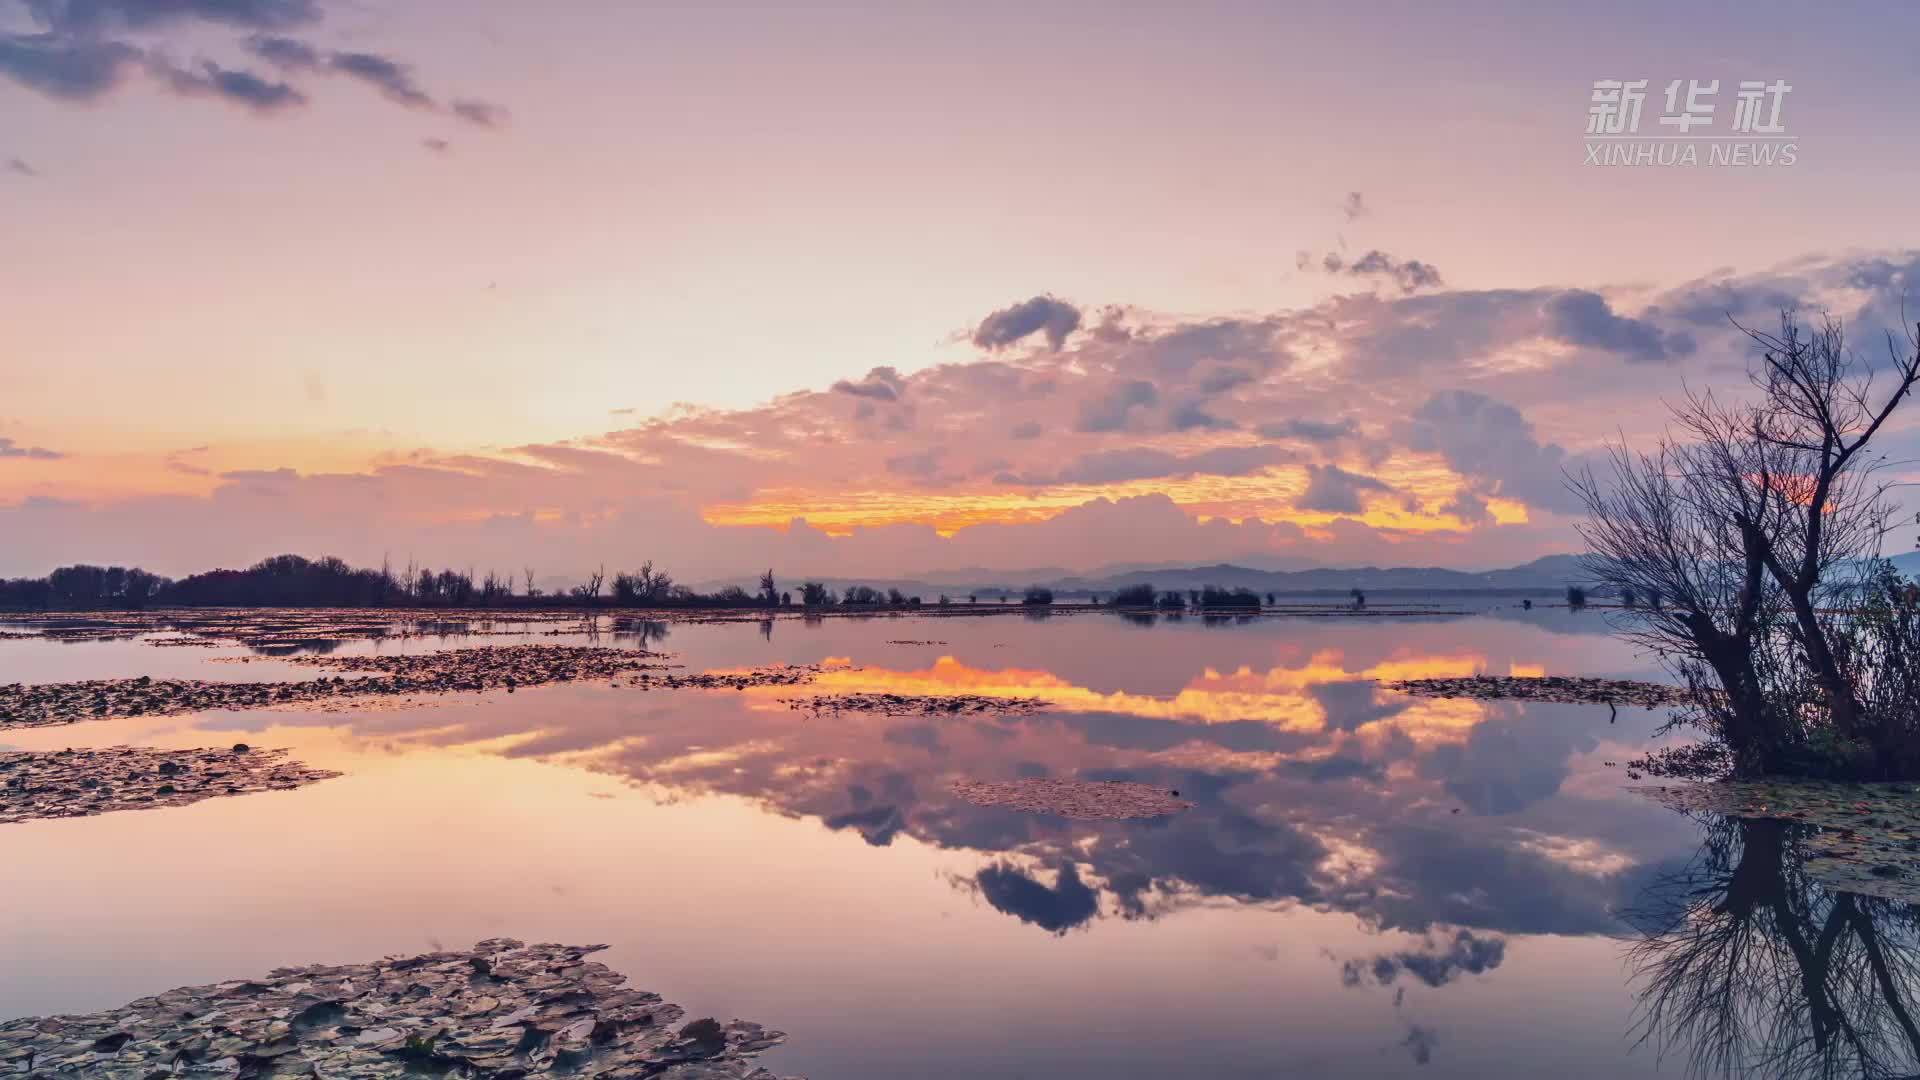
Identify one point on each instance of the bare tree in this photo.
(1827, 508)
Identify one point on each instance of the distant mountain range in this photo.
(1550, 574)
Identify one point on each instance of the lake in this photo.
(1369, 884)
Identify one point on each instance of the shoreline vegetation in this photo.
(295, 581)
(1753, 535)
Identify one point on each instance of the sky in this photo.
(892, 288)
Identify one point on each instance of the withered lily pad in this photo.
(500, 1009)
(777, 675)
(1088, 800)
(919, 704)
(1865, 838)
(1563, 689)
(453, 670)
(81, 783)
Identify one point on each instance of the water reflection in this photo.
(1747, 967)
(1368, 883)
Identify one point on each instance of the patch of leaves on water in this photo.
(501, 1009)
(1563, 689)
(449, 671)
(1862, 838)
(1087, 800)
(776, 675)
(80, 783)
(918, 704)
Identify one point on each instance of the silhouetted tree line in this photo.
(296, 581)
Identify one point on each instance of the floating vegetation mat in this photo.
(777, 675)
(501, 1009)
(1088, 800)
(919, 704)
(81, 783)
(453, 670)
(1553, 688)
(1866, 837)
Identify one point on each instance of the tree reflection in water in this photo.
(1750, 968)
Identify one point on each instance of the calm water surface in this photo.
(1370, 885)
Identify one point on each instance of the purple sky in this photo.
(498, 284)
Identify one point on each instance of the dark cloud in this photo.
(1419, 1042)
(10, 449)
(484, 114)
(1145, 463)
(1436, 963)
(1226, 378)
(1029, 429)
(1354, 206)
(285, 53)
(1333, 490)
(1111, 411)
(1042, 314)
(1057, 909)
(880, 384)
(1580, 317)
(1489, 442)
(65, 68)
(239, 87)
(95, 15)
(393, 79)
(441, 146)
(16, 165)
(1411, 275)
(1310, 430)
(1191, 416)
(923, 465)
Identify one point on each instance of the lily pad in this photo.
(82, 783)
(1087, 800)
(397, 1017)
(1863, 838)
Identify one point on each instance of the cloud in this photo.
(285, 53)
(1191, 416)
(1030, 429)
(1310, 430)
(66, 69)
(1112, 410)
(441, 146)
(1489, 442)
(73, 59)
(11, 449)
(923, 465)
(19, 166)
(1419, 1043)
(1580, 317)
(1354, 207)
(1142, 463)
(484, 114)
(1042, 314)
(239, 87)
(880, 384)
(393, 79)
(1333, 490)
(87, 16)
(1056, 909)
(1411, 275)
(1436, 963)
